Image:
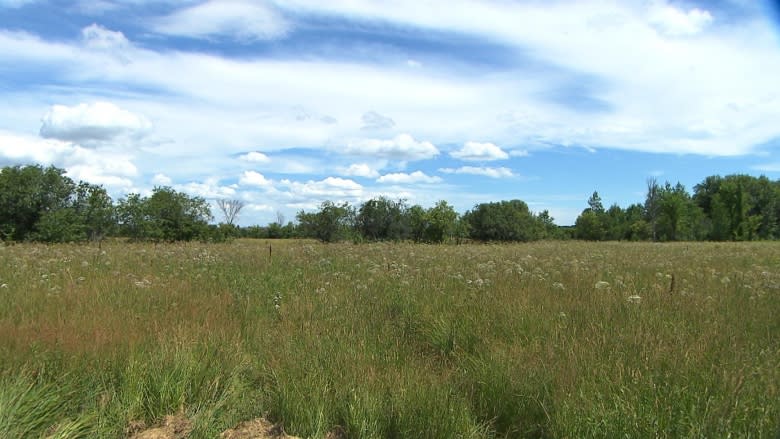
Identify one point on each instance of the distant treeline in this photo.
(43, 204)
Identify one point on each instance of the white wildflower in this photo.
(602, 285)
(558, 286)
(635, 298)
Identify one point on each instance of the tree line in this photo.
(730, 208)
(44, 204)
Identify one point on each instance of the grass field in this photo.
(551, 339)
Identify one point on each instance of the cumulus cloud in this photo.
(254, 178)
(375, 121)
(327, 189)
(402, 147)
(673, 21)
(360, 170)
(92, 123)
(404, 178)
(501, 172)
(476, 151)
(17, 149)
(161, 180)
(113, 170)
(209, 188)
(240, 19)
(254, 157)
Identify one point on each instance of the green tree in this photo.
(27, 193)
(382, 219)
(441, 221)
(652, 206)
(547, 227)
(167, 215)
(333, 222)
(592, 224)
(95, 210)
(504, 221)
(417, 220)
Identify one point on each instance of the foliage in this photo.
(731, 208)
(167, 215)
(381, 219)
(44, 204)
(505, 221)
(333, 222)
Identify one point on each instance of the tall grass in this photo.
(392, 340)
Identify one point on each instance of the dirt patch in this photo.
(179, 427)
(256, 429)
(173, 427)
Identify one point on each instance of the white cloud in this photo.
(241, 19)
(255, 157)
(360, 170)
(98, 37)
(475, 151)
(404, 178)
(209, 188)
(114, 170)
(501, 172)
(254, 178)
(768, 167)
(94, 122)
(675, 22)
(329, 188)
(260, 207)
(402, 147)
(161, 180)
(18, 149)
(375, 121)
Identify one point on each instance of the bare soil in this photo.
(179, 427)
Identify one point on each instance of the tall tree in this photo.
(504, 221)
(230, 209)
(27, 193)
(167, 215)
(332, 222)
(652, 205)
(441, 220)
(382, 218)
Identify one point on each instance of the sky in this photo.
(284, 104)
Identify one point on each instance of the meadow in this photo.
(392, 340)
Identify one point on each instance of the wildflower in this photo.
(277, 300)
(4, 286)
(558, 286)
(602, 285)
(634, 298)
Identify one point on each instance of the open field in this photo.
(551, 339)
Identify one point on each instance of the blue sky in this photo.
(285, 104)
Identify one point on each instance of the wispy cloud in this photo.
(240, 19)
(501, 172)
(404, 178)
(476, 151)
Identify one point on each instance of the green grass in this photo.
(393, 340)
